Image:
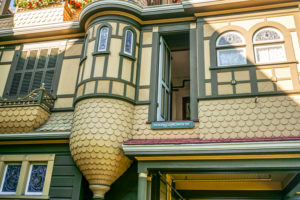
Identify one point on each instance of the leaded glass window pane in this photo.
(103, 39)
(269, 54)
(10, 179)
(231, 57)
(230, 38)
(267, 35)
(36, 179)
(128, 42)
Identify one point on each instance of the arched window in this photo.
(103, 39)
(231, 49)
(269, 46)
(128, 45)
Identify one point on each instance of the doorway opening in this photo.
(174, 78)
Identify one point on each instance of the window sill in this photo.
(101, 53)
(127, 56)
(182, 124)
(23, 197)
(253, 65)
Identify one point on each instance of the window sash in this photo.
(29, 179)
(4, 179)
(270, 53)
(128, 43)
(103, 39)
(238, 57)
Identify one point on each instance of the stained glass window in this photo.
(227, 56)
(267, 35)
(10, 179)
(230, 38)
(265, 51)
(128, 42)
(103, 39)
(36, 179)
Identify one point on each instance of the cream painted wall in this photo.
(4, 70)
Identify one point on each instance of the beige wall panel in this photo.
(4, 70)
(295, 41)
(283, 72)
(209, 29)
(89, 61)
(80, 73)
(63, 103)
(247, 24)
(114, 58)
(73, 50)
(224, 76)
(113, 28)
(90, 87)
(242, 75)
(208, 89)
(285, 85)
(80, 91)
(121, 27)
(147, 38)
(264, 74)
(225, 89)
(126, 69)
(103, 86)
(7, 56)
(96, 29)
(137, 35)
(130, 92)
(144, 94)
(243, 88)
(287, 21)
(296, 99)
(99, 66)
(265, 86)
(134, 72)
(298, 67)
(207, 59)
(145, 66)
(118, 88)
(68, 75)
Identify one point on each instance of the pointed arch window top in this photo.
(230, 39)
(267, 35)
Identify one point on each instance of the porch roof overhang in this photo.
(177, 147)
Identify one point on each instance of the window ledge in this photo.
(253, 65)
(127, 56)
(23, 197)
(101, 53)
(182, 124)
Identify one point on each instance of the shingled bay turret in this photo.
(104, 99)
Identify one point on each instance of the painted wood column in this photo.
(142, 186)
(193, 72)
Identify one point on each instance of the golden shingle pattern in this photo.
(266, 117)
(22, 119)
(100, 126)
(59, 121)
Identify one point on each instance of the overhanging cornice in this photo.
(212, 148)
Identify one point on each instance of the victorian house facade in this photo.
(150, 100)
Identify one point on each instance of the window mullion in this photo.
(48, 178)
(2, 167)
(23, 178)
